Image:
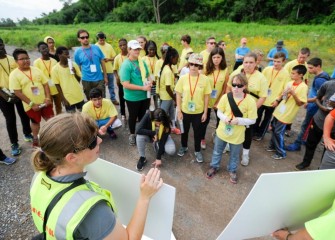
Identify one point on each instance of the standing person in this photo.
(294, 96)
(134, 75)
(236, 110)
(210, 45)
(6, 160)
(67, 82)
(166, 86)
(192, 107)
(217, 73)
(69, 143)
(314, 67)
(222, 44)
(7, 65)
(277, 78)
(279, 48)
(118, 60)
(103, 112)
(185, 42)
(258, 89)
(52, 48)
(142, 41)
(109, 54)
(159, 63)
(240, 52)
(45, 64)
(328, 159)
(154, 128)
(31, 86)
(92, 64)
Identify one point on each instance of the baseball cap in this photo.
(133, 44)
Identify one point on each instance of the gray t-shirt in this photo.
(100, 220)
(325, 92)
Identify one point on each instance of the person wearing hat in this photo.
(279, 48)
(192, 108)
(110, 54)
(134, 75)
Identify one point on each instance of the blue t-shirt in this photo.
(333, 75)
(273, 51)
(88, 57)
(241, 51)
(320, 79)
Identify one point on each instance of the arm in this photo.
(130, 86)
(24, 98)
(296, 99)
(179, 112)
(76, 74)
(222, 116)
(161, 144)
(117, 77)
(144, 127)
(47, 100)
(244, 121)
(301, 234)
(65, 102)
(103, 129)
(170, 92)
(103, 66)
(204, 115)
(328, 125)
(260, 102)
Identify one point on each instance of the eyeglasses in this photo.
(195, 65)
(24, 59)
(90, 146)
(84, 37)
(237, 85)
(211, 43)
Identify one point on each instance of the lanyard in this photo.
(273, 78)
(4, 67)
(96, 114)
(30, 77)
(217, 77)
(90, 57)
(152, 65)
(48, 69)
(238, 104)
(189, 81)
(136, 66)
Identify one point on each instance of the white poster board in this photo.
(125, 187)
(280, 200)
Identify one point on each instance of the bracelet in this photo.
(31, 103)
(289, 234)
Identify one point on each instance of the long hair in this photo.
(160, 115)
(210, 67)
(169, 55)
(147, 45)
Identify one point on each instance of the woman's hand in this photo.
(147, 87)
(204, 117)
(102, 130)
(281, 234)
(151, 183)
(157, 163)
(180, 115)
(329, 143)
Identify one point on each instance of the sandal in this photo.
(211, 173)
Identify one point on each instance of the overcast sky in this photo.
(30, 9)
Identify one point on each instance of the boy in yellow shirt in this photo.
(185, 41)
(294, 96)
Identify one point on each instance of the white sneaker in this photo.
(245, 160)
(203, 144)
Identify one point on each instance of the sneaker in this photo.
(226, 149)
(233, 177)
(124, 120)
(175, 130)
(257, 138)
(198, 157)
(141, 163)
(245, 160)
(112, 135)
(288, 133)
(268, 149)
(132, 140)
(115, 102)
(211, 173)
(182, 151)
(203, 144)
(16, 150)
(8, 161)
(301, 166)
(293, 147)
(277, 157)
(28, 138)
(35, 142)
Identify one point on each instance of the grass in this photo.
(319, 38)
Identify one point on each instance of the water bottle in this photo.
(181, 126)
(149, 91)
(69, 62)
(42, 105)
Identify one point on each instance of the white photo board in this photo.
(280, 200)
(125, 187)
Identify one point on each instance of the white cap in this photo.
(133, 44)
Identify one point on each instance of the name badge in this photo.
(214, 93)
(51, 83)
(282, 108)
(269, 92)
(35, 91)
(191, 106)
(229, 129)
(93, 68)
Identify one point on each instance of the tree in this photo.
(157, 4)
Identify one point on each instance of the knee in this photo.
(170, 149)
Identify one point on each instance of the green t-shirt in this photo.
(130, 71)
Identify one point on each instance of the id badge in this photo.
(269, 92)
(214, 93)
(282, 108)
(229, 129)
(93, 68)
(35, 91)
(51, 83)
(191, 106)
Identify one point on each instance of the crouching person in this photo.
(154, 128)
(104, 113)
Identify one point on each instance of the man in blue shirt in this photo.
(279, 48)
(91, 62)
(240, 52)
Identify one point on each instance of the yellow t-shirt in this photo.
(291, 64)
(109, 52)
(142, 53)
(46, 66)
(182, 58)
(151, 63)
(249, 109)
(277, 81)
(287, 109)
(71, 88)
(199, 91)
(158, 67)
(8, 64)
(218, 77)
(257, 83)
(19, 80)
(167, 79)
(118, 60)
(107, 110)
(205, 56)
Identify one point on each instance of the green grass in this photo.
(319, 38)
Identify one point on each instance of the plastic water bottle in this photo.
(181, 126)
(69, 62)
(148, 92)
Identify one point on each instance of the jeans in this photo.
(314, 137)
(168, 107)
(116, 124)
(260, 126)
(328, 160)
(304, 126)
(219, 146)
(277, 138)
(195, 120)
(142, 140)
(110, 77)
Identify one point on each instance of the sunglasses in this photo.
(90, 146)
(84, 37)
(237, 85)
(212, 43)
(193, 64)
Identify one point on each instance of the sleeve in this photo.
(319, 82)
(77, 69)
(116, 63)
(179, 86)
(161, 145)
(142, 127)
(208, 88)
(112, 110)
(14, 83)
(44, 78)
(168, 76)
(264, 87)
(125, 71)
(322, 91)
(237, 51)
(99, 53)
(269, 54)
(332, 113)
(54, 75)
(76, 57)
